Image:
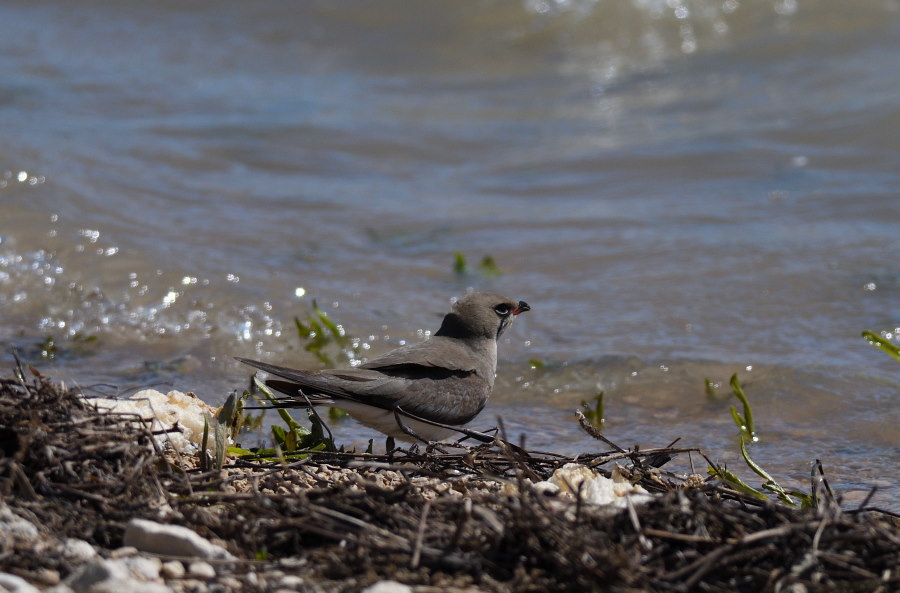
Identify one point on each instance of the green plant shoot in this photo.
(743, 421)
(879, 342)
(594, 412)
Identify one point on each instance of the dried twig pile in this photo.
(443, 519)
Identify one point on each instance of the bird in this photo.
(423, 391)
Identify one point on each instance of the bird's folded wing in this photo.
(437, 352)
(364, 385)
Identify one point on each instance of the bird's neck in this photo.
(486, 350)
(453, 327)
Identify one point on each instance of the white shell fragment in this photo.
(165, 410)
(574, 479)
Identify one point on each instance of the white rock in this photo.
(13, 525)
(388, 587)
(293, 582)
(173, 569)
(129, 586)
(575, 479)
(170, 540)
(143, 568)
(78, 550)
(14, 584)
(201, 570)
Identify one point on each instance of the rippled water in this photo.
(681, 189)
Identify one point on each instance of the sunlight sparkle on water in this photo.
(91, 234)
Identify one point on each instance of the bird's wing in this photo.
(364, 385)
(435, 353)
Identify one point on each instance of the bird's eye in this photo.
(502, 310)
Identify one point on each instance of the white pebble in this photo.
(202, 570)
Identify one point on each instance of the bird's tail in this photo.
(302, 387)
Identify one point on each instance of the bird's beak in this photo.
(521, 308)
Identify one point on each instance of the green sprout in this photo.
(747, 433)
(488, 266)
(743, 421)
(459, 263)
(291, 437)
(879, 342)
(594, 413)
(710, 388)
(51, 348)
(321, 333)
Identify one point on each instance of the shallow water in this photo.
(680, 189)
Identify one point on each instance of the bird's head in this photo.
(481, 315)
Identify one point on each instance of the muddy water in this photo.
(682, 190)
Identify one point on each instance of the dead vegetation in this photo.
(446, 520)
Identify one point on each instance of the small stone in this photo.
(230, 583)
(173, 569)
(78, 550)
(694, 481)
(388, 587)
(47, 575)
(129, 585)
(171, 540)
(291, 581)
(16, 526)
(14, 584)
(143, 568)
(202, 570)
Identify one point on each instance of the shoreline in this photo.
(81, 488)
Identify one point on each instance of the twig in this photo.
(420, 534)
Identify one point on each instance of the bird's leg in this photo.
(473, 434)
(315, 412)
(407, 430)
(429, 445)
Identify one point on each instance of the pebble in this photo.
(129, 585)
(143, 567)
(171, 540)
(14, 584)
(292, 582)
(201, 570)
(78, 550)
(173, 569)
(16, 526)
(388, 587)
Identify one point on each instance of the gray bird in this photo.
(446, 379)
